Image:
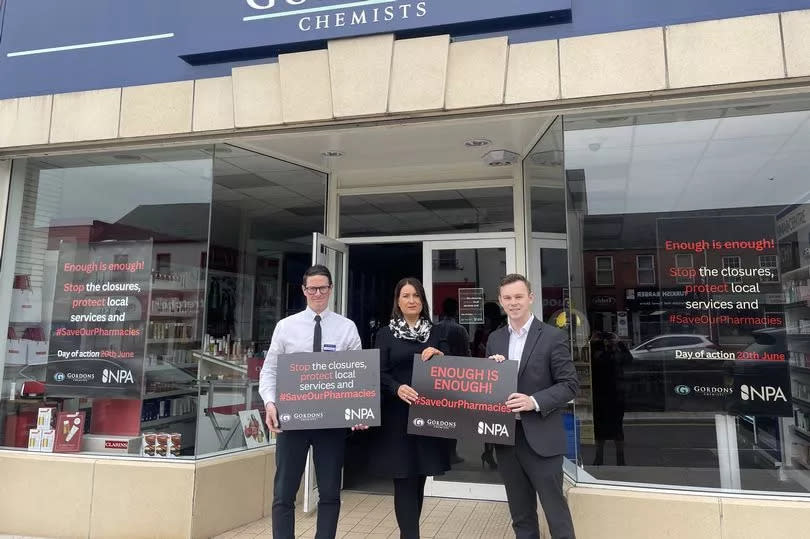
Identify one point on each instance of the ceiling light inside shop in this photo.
(500, 158)
(332, 153)
(547, 158)
(613, 120)
(477, 142)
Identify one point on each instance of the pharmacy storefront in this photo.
(167, 173)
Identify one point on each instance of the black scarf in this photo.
(419, 333)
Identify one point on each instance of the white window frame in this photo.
(738, 262)
(612, 271)
(651, 269)
(681, 279)
(774, 267)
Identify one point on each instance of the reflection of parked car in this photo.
(664, 346)
(766, 341)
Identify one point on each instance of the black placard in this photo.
(760, 388)
(328, 390)
(463, 398)
(98, 326)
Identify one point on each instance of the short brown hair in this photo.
(317, 270)
(515, 278)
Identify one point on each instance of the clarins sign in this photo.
(268, 26)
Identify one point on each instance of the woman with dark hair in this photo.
(406, 458)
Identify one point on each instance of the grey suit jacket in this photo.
(546, 373)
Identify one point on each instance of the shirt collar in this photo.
(312, 314)
(522, 331)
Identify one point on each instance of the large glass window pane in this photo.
(431, 212)
(263, 214)
(102, 276)
(545, 181)
(696, 224)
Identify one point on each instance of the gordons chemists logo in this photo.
(682, 390)
(337, 14)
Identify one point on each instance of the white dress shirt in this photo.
(517, 342)
(295, 333)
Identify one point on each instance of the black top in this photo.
(396, 453)
(458, 339)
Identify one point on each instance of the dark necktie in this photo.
(317, 336)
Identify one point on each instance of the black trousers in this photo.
(328, 447)
(527, 475)
(409, 496)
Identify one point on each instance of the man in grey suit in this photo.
(547, 381)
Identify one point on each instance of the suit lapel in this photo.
(531, 341)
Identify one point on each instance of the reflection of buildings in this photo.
(629, 275)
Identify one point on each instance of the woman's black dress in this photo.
(396, 453)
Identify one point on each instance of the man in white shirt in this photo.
(547, 381)
(315, 329)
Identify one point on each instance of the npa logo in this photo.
(419, 422)
(762, 393)
(493, 429)
(360, 413)
(118, 376)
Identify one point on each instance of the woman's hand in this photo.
(429, 352)
(407, 393)
(498, 357)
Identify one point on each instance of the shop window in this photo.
(604, 271)
(97, 345)
(645, 270)
(713, 202)
(137, 321)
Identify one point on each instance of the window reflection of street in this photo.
(693, 277)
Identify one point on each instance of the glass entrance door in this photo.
(461, 283)
(335, 256)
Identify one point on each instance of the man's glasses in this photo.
(313, 290)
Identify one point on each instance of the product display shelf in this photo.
(168, 420)
(171, 366)
(583, 402)
(170, 341)
(13, 373)
(797, 340)
(221, 361)
(173, 315)
(173, 393)
(175, 311)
